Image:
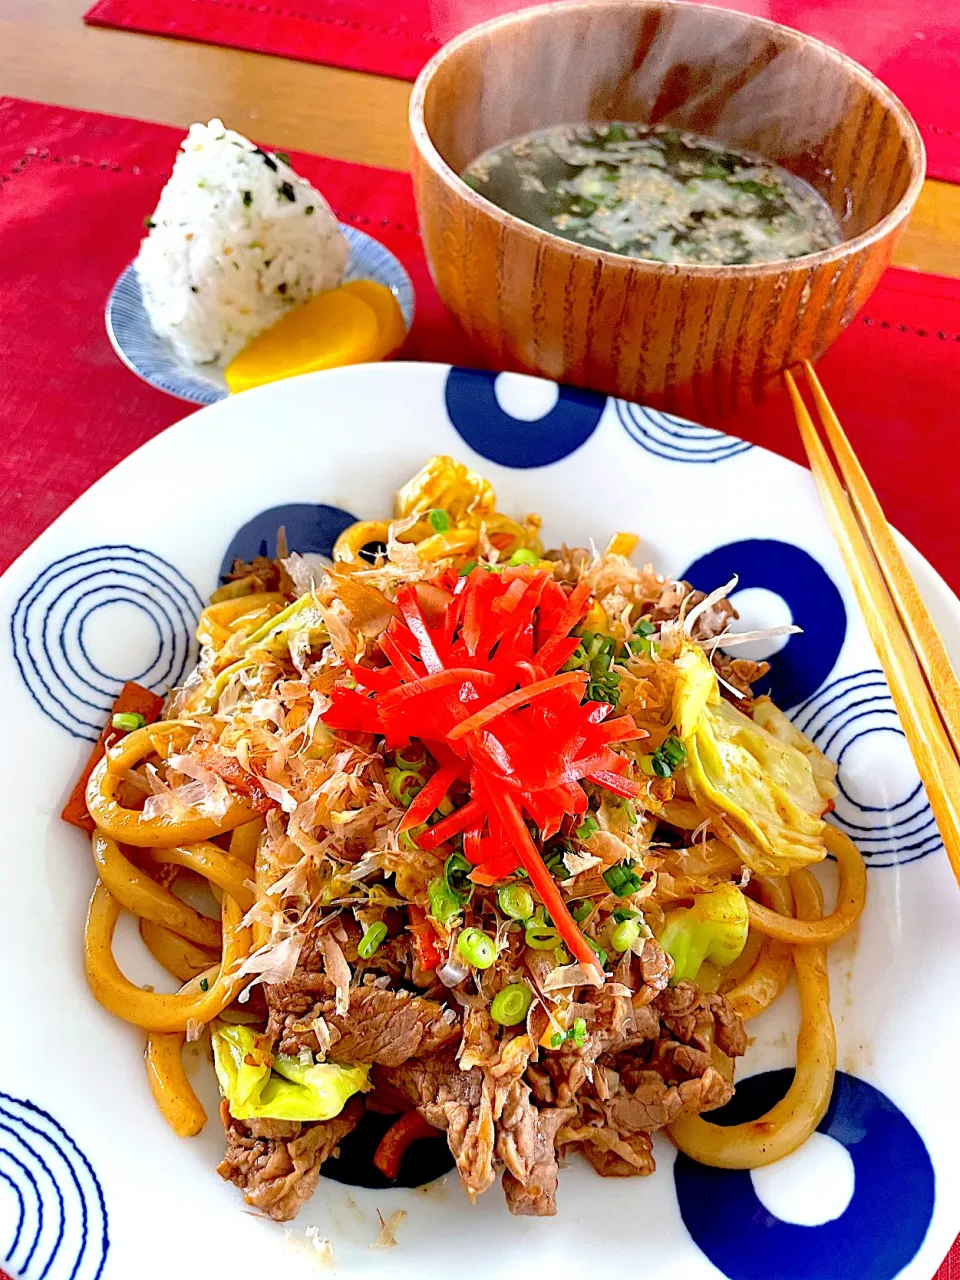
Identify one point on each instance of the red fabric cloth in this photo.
(913, 45)
(74, 190)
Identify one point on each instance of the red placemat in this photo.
(914, 45)
(74, 189)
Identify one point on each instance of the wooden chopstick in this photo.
(914, 613)
(926, 735)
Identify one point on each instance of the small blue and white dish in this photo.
(153, 359)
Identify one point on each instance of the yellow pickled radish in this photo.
(329, 330)
(384, 303)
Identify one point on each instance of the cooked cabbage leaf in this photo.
(714, 928)
(757, 788)
(292, 1090)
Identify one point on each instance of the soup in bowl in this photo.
(664, 201)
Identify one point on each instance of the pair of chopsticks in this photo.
(922, 681)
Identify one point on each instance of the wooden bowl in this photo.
(699, 339)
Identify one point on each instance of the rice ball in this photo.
(236, 239)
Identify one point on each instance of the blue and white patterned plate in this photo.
(92, 1183)
(154, 360)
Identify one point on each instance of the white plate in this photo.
(154, 360)
(109, 593)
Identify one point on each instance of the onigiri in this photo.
(236, 239)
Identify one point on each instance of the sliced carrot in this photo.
(133, 699)
(424, 938)
(395, 1143)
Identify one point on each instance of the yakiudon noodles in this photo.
(504, 846)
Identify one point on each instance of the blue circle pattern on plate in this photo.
(310, 528)
(51, 644)
(677, 439)
(874, 1238)
(476, 413)
(154, 360)
(805, 661)
(842, 713)
(58, 1228)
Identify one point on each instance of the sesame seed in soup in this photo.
(656, 193)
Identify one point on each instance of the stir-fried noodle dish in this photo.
(503, 846)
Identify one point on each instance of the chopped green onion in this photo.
(510, 1005)
(456, 869)
(669, 756)
(601, 954)
(416, 763)
(541, 937)
(444, 904)
(581, 911)
(578, 1032)
(557, 1040)
(622, 880)
(622, 913)
(408, 839)
(553, 860)
(477, 948)
(625, 935)
(128, 721)
(468, 568)
(439, 520)
(204, 984)
(644, 627)
(515, 901)
(404, 784)
(523, 556)
(371, 940)
(587, 828)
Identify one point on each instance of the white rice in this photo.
(236, 239)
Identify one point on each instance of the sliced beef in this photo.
(676, 1072)
(612, 1154)
(379, 1026)
(530, 1136)
(742, 674)
(460, 1102)
(276, 1163)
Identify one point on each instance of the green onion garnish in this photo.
(541, 937)
(204, 984)
(439, 520)
(557, 1040)
(515, 901)
(456, 869)
(587, 828)
(510, 1005)
(578, 1032)
(404, 784)
(128, 721)
(523, 556)
(622, 880)
(601, 954)
(581, 911)
(477, 948)
(444, 905)
(669, 756)
(468, 568)
(371, 940)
